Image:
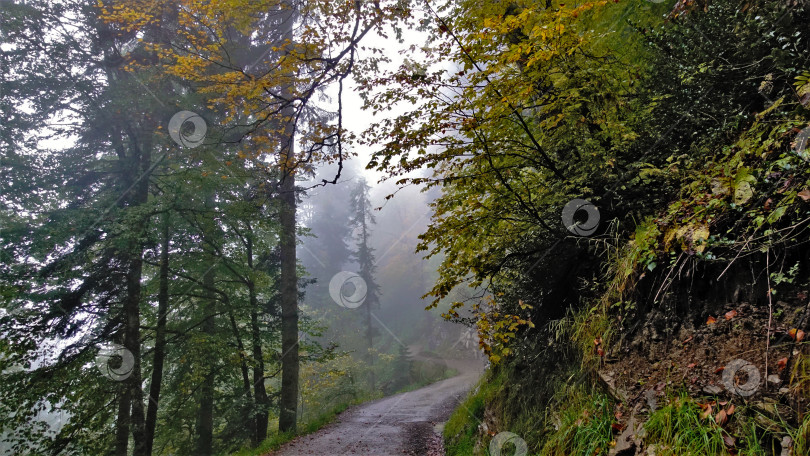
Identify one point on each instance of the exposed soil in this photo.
(696, 356)
(403, 424)
(722, 353)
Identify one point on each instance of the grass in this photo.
(461, 430)
(583, 424)
(678, 430)
(447, 373)
(802, 438)
(274, 442)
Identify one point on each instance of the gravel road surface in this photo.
(403, 424)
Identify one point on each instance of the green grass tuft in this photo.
(583, 424)
(678, 430)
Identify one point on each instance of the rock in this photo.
(712, 389)
(773, 378)
(626, 442)
(652, 400)
(610, 383)
(787, 444)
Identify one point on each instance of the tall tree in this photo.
(81, 244)
(275, 93)
(159, 352)
(362, 218)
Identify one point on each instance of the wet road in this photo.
(397, 425)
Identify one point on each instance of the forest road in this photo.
(403, 424)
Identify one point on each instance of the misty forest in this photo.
(405, 227)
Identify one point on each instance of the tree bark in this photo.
(245, 375)
(262, 401)
(289, 306)
(288, 403)
(160, 338)
(122, 424)
(142, 157)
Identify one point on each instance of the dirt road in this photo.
(403, 424)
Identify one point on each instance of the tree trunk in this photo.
(132, 343)
(289, 307)
(205, 414)
(289, 281)
(370, 341)
(262, 402)
(160, 338)
(122, 424)
(245, 375)
(142, 156)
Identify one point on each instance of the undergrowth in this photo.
(677, 429)
(429, 375)
(461, 430)
(583, 423)
(275, 441)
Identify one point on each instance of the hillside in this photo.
(671, 320)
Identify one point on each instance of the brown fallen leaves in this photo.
(598, 344)
(723, 412)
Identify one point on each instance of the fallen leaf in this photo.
(782, 363)
(691, 365)
(729, 440)
(600, 352)
(711, 320)
(719, 369)
(617, 427)
(731, 314)
(730, 410)
(706, 412)
(799, 335)
(721, 417)
(597, 341)
(768, 204)
(804, 194)
(785, 185)
(688, 339)
(792, 333)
